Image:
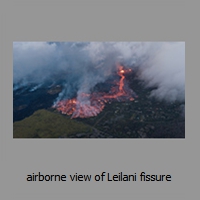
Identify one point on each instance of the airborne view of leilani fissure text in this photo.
(99, 89)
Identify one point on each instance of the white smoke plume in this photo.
(166, 71)
(81, 65)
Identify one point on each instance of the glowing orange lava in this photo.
(90, 105)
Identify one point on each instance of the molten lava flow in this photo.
(90, 105)
(81, 109)
(121, 82)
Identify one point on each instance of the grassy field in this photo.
(46, 124)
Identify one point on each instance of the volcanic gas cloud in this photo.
(89, 105)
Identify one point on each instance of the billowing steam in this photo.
(166, 71)
(82, 65)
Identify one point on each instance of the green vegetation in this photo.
(46, 124)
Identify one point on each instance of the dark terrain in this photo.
(142, 118)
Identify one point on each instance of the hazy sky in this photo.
(84, 64)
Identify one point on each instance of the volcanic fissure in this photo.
(89, 105)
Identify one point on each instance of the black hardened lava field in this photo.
(140, 117)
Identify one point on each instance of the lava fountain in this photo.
(89, 105)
